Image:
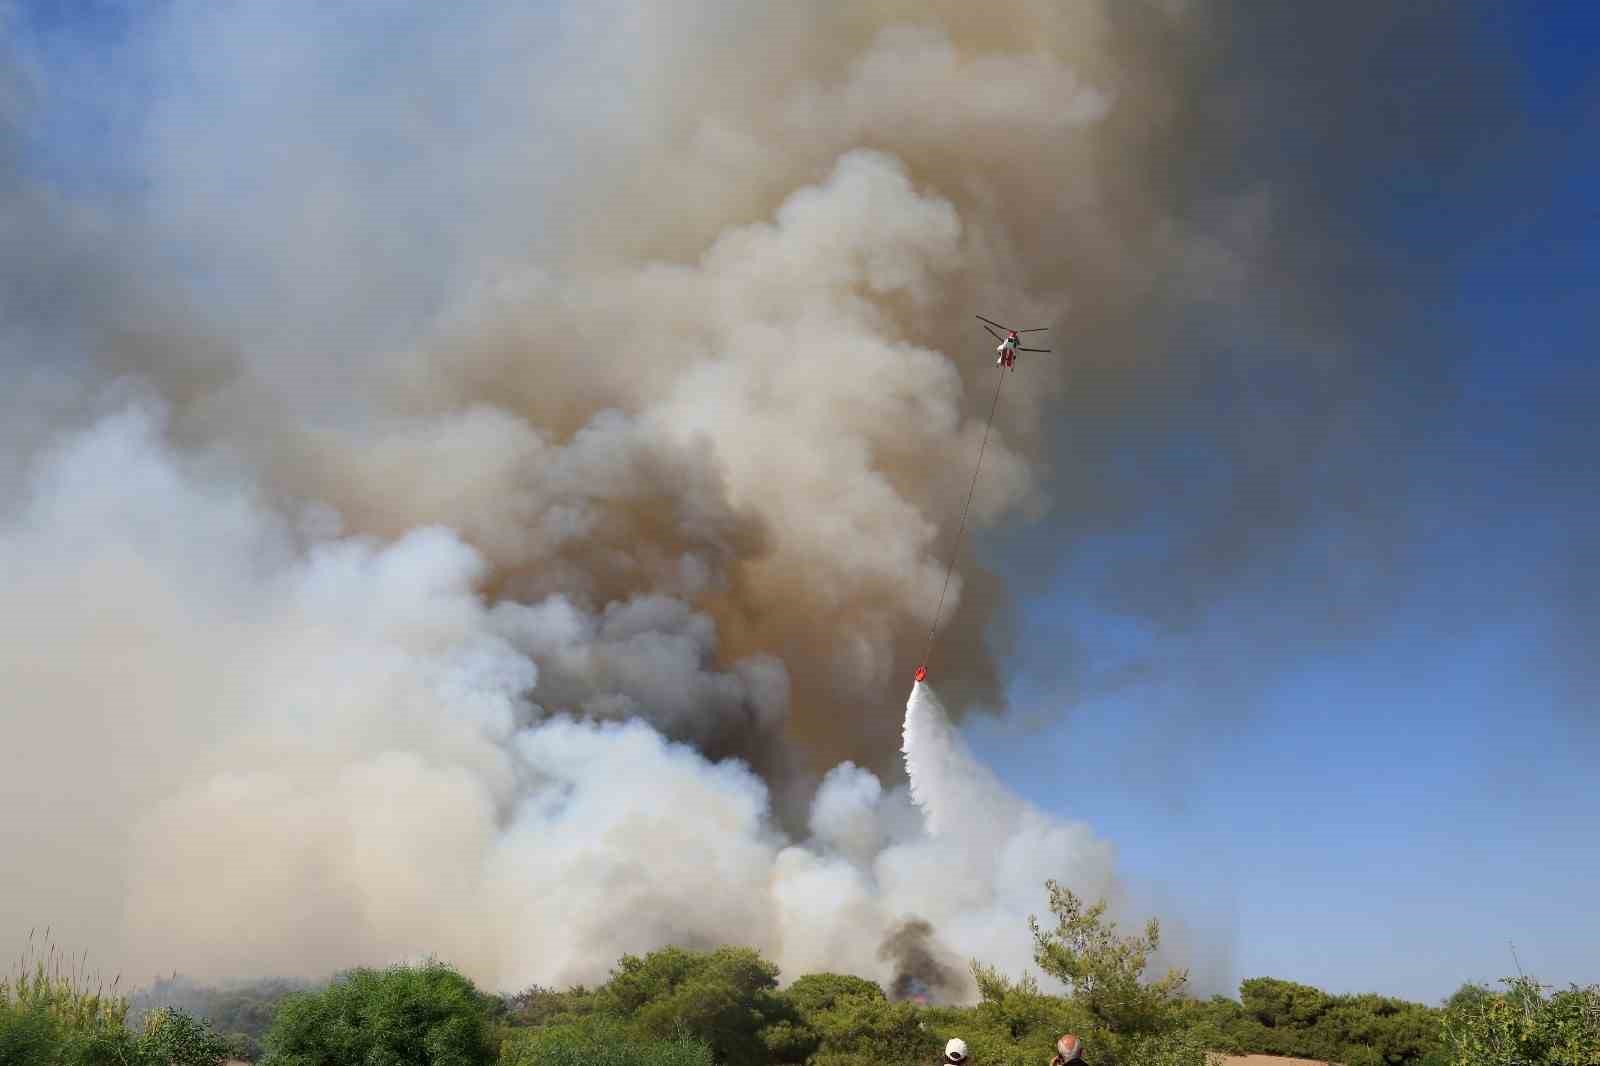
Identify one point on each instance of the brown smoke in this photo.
(761, 399)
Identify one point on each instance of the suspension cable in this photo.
(962, 528)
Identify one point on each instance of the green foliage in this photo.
(1014, 1023)
(538, 1005)
(242, 1047)
(27, 1036)
(171, 1037)
(1467, 997)
(677, 1007)
(427, 1015)
(818, 992)
(56, 986)
(51, 1016)
(241, 1012)
(1282, 1004)
(1178, 1048)
(1274, 1017)
(1215, 1021)
(1523, 1026)
(1105, 970)
(53, 1013)
(847, 1021)
(599, 1042)
(725, 997)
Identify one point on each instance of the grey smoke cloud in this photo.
(919, 973)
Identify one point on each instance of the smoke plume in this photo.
(919, 975)
(478, 481)
(529, 582)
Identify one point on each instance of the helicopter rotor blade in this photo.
(991, 322)
(993, 334)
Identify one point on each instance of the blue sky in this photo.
(1384, 807)
(1386, 812)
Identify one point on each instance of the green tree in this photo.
(1279, 1017)
(725, 997)
(1282, 1004)
(538, 1005)
(426, 1015)
(1104, 970)
(242, 1047)
(818, 992)
(1392, 1032)
(848, 1021)
(1467, 997)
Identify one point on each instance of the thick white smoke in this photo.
(373, 743)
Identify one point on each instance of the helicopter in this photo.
(1009, 345)
(1006, 356)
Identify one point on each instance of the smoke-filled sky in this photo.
(475, 482)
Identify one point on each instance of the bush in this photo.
(1277, 1017)
(1013, 1024)
(173, 1038)
(242, 1047)
(1168, 1049)
(241, 1011)
(538, 1005)
(600, 1043)
(1523, 1026)
(59, 1027)
(818, 992)
(428, 1015)
(847, 1021)
(726, 998)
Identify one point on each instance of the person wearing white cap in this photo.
(955, 1052)
(1069, 1049)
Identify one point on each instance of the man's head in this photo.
(955, 1052)
(1070, 1048)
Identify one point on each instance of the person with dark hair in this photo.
(1069, 1050)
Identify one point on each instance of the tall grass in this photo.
(45, 980)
